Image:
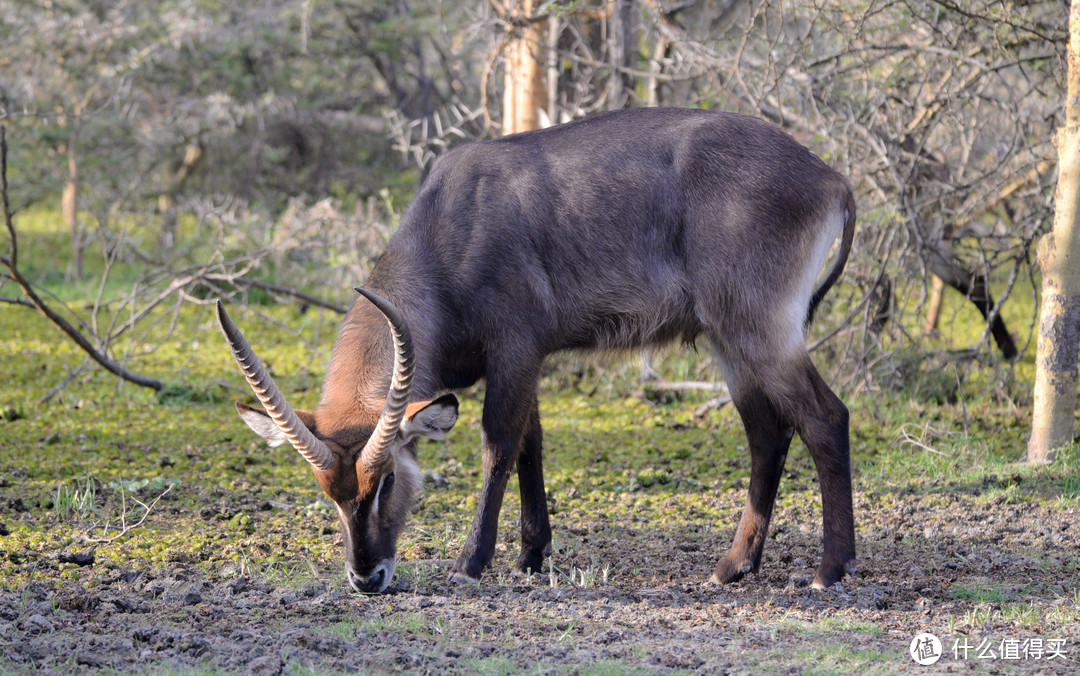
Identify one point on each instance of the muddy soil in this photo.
(984, 573)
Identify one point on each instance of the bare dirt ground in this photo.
(982, 572)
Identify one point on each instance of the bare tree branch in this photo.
(17, 301)
(276, 288)
(11, 262)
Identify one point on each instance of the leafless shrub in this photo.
(228, 253)
(941, 114)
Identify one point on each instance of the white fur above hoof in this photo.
(462, 578)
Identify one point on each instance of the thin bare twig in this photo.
(960, 396)
(906, 437)
(17, 301)
(64, 383)
(126, 528)
(277, 288)
(11, 262)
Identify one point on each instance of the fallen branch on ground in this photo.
(124, 527)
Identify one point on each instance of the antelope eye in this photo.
(388, 482)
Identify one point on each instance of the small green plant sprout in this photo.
(580, 578)
(11, 413)
(419, 574)
(75, 502)
(587, 577)
(569, 630)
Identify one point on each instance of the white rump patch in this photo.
(794, 316)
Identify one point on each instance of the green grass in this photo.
(75, 501)
(841, 658)
(494, 666)
(827, 627)
(980, 593)
(413, 623)
(98, 438)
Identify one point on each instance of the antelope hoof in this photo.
(529, 563)
(524, 573)
(731, 571)
(462, 578)
(829, 574)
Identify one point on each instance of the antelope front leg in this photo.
(507, 408)
(535, 526)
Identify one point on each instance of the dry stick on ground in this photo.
(125, 528)
(12, 261)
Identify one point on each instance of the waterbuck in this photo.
(626, 229)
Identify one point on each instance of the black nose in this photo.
(376, 578)
(369, 584)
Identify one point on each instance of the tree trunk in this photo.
(193, 155)
(70, 203)
(656, 67)
(1059, 259)
(623, 50)
(933, 314)
(525, 93)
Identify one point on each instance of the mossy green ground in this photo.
(642, 496)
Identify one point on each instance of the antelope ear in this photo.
(263, 425)
(431, 419)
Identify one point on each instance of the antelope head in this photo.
(373, 477)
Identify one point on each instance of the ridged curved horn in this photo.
(377, 449)
(311, 447)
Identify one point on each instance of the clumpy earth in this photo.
(138, 536)
(624, 596)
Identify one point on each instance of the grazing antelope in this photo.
(626, 229)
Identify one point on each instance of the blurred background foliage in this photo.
(174, 152)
